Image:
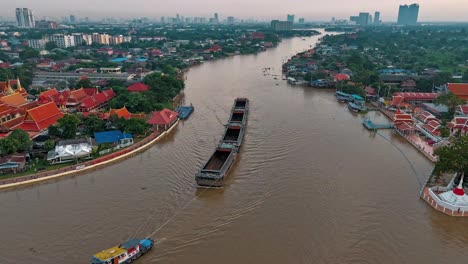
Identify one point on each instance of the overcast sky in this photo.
(430, 10)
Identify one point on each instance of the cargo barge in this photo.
(217, 168)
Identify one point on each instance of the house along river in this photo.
(311, 185)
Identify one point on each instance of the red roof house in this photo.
(257, 35)
(425, 117)
(398, 101)
(459, 89)
(370, 91)
(138, 87)
(341, 77)
(163, 119)
(409, 96)
(459, 124)
(40, 118)
(96, 101)
(462, 110)
(401, 117)
(432, 127)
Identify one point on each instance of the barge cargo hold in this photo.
(216, 169)
(233, 135)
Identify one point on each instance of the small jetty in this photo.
(184, 111)
(367, 123)
(214, 172)
(125, 253)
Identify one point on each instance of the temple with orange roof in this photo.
(38, 119)
(78, 100)
(6, 88)
(121, 113)
(403, 122)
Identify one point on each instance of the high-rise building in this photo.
(281, 25)
(38, 43)
(45, 24)
(408, 14)
(62, 41)
(72, 19)
(290, 18)
(361, 20)
(25, 18)
(230, 20)
(376, 18)
(216, 18)
(301, 20)
(78, 38)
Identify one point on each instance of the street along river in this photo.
(311, 185)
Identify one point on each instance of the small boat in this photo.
(342, 97)
(184, 111)
(354, 107)
(125, 253)
(291, 80)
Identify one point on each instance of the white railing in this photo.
(444, 204)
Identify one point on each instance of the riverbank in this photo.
(89, 165)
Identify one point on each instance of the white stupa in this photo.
(457, 196)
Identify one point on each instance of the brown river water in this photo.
(310, 185)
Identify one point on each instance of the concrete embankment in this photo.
(89, 165)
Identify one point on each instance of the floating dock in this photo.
(367, 123)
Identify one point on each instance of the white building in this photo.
(63, 41)
(78, 38)
(88, 39)
(38, 43)
(69, 153)
(116, 40)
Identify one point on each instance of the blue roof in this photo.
(110, 136)
(141, 59)
(119, 60)
(357, 97)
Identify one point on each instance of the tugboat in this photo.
(216, 169)
(125, 253)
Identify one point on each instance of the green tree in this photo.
(454, 156)
(451, 101)
(28, 53)
(7, 146)
(68, 125)
(49, 145)
(50, 45)
(93, 124)
(133, 126)
(84, 82)
(21, 139)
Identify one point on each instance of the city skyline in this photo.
(454, 10)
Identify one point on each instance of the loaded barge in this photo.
(216, 169)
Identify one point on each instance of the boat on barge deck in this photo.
(216, 169)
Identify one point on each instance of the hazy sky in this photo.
(430, 10)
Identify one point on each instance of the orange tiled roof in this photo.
(15, 99)
(48, 93)
(41, 117)
(122, 112)
(78, 95)
(459, 89)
